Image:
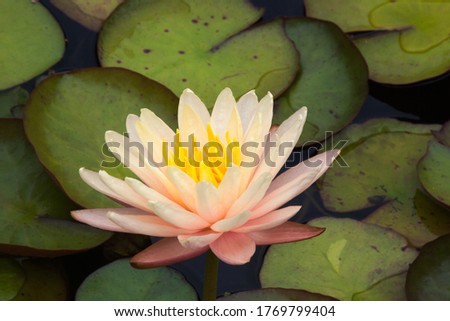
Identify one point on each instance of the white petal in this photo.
(220, 116)
(208, 202)
(265, 107)
(136, 160)
(177, 216)
(247, 106)
(94, 180)
(157, 125)
(191, 124)
(188, 98)
(148, 193)
(227, 188)
(252, 195)
(231, 223)
(185, 186)
(125, 191)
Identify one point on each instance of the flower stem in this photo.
(210, 278)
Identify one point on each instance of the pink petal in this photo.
(287, 232)
(165, 252)
(146, 225)
(199, 239)
(231, 223)
(293, 182)
(178, 216)
(97, 217)
(269, 220)
(234, 248)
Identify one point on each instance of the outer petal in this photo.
(231, 223)
(165, 252)
(94, 180)
(198, 240)
(293, 182)
(287, 232)
(98, 217)
(234, 248)
(269, 220)
(125, 191)
(178, 216)
(146, 225)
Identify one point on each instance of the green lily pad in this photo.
(31, 39)
(347, 262)
(35, 213)
(201, 45)
(393, 65)
(67, 116)
(89, 13)
(443, 135)
(382, 156)
(429, 274)
(12, 278)
(423, 24)
(119, 281)
(434, 172)
(333, 81)
(124, 245)
(275, 294)
(349, 15)
(45, 281)
(12, 101)
(391, 288)
(414, 45)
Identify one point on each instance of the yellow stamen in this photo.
(204, 163)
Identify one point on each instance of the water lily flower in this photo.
(229, 202)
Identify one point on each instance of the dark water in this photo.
(426, 102)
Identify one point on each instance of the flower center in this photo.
(209, 162)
